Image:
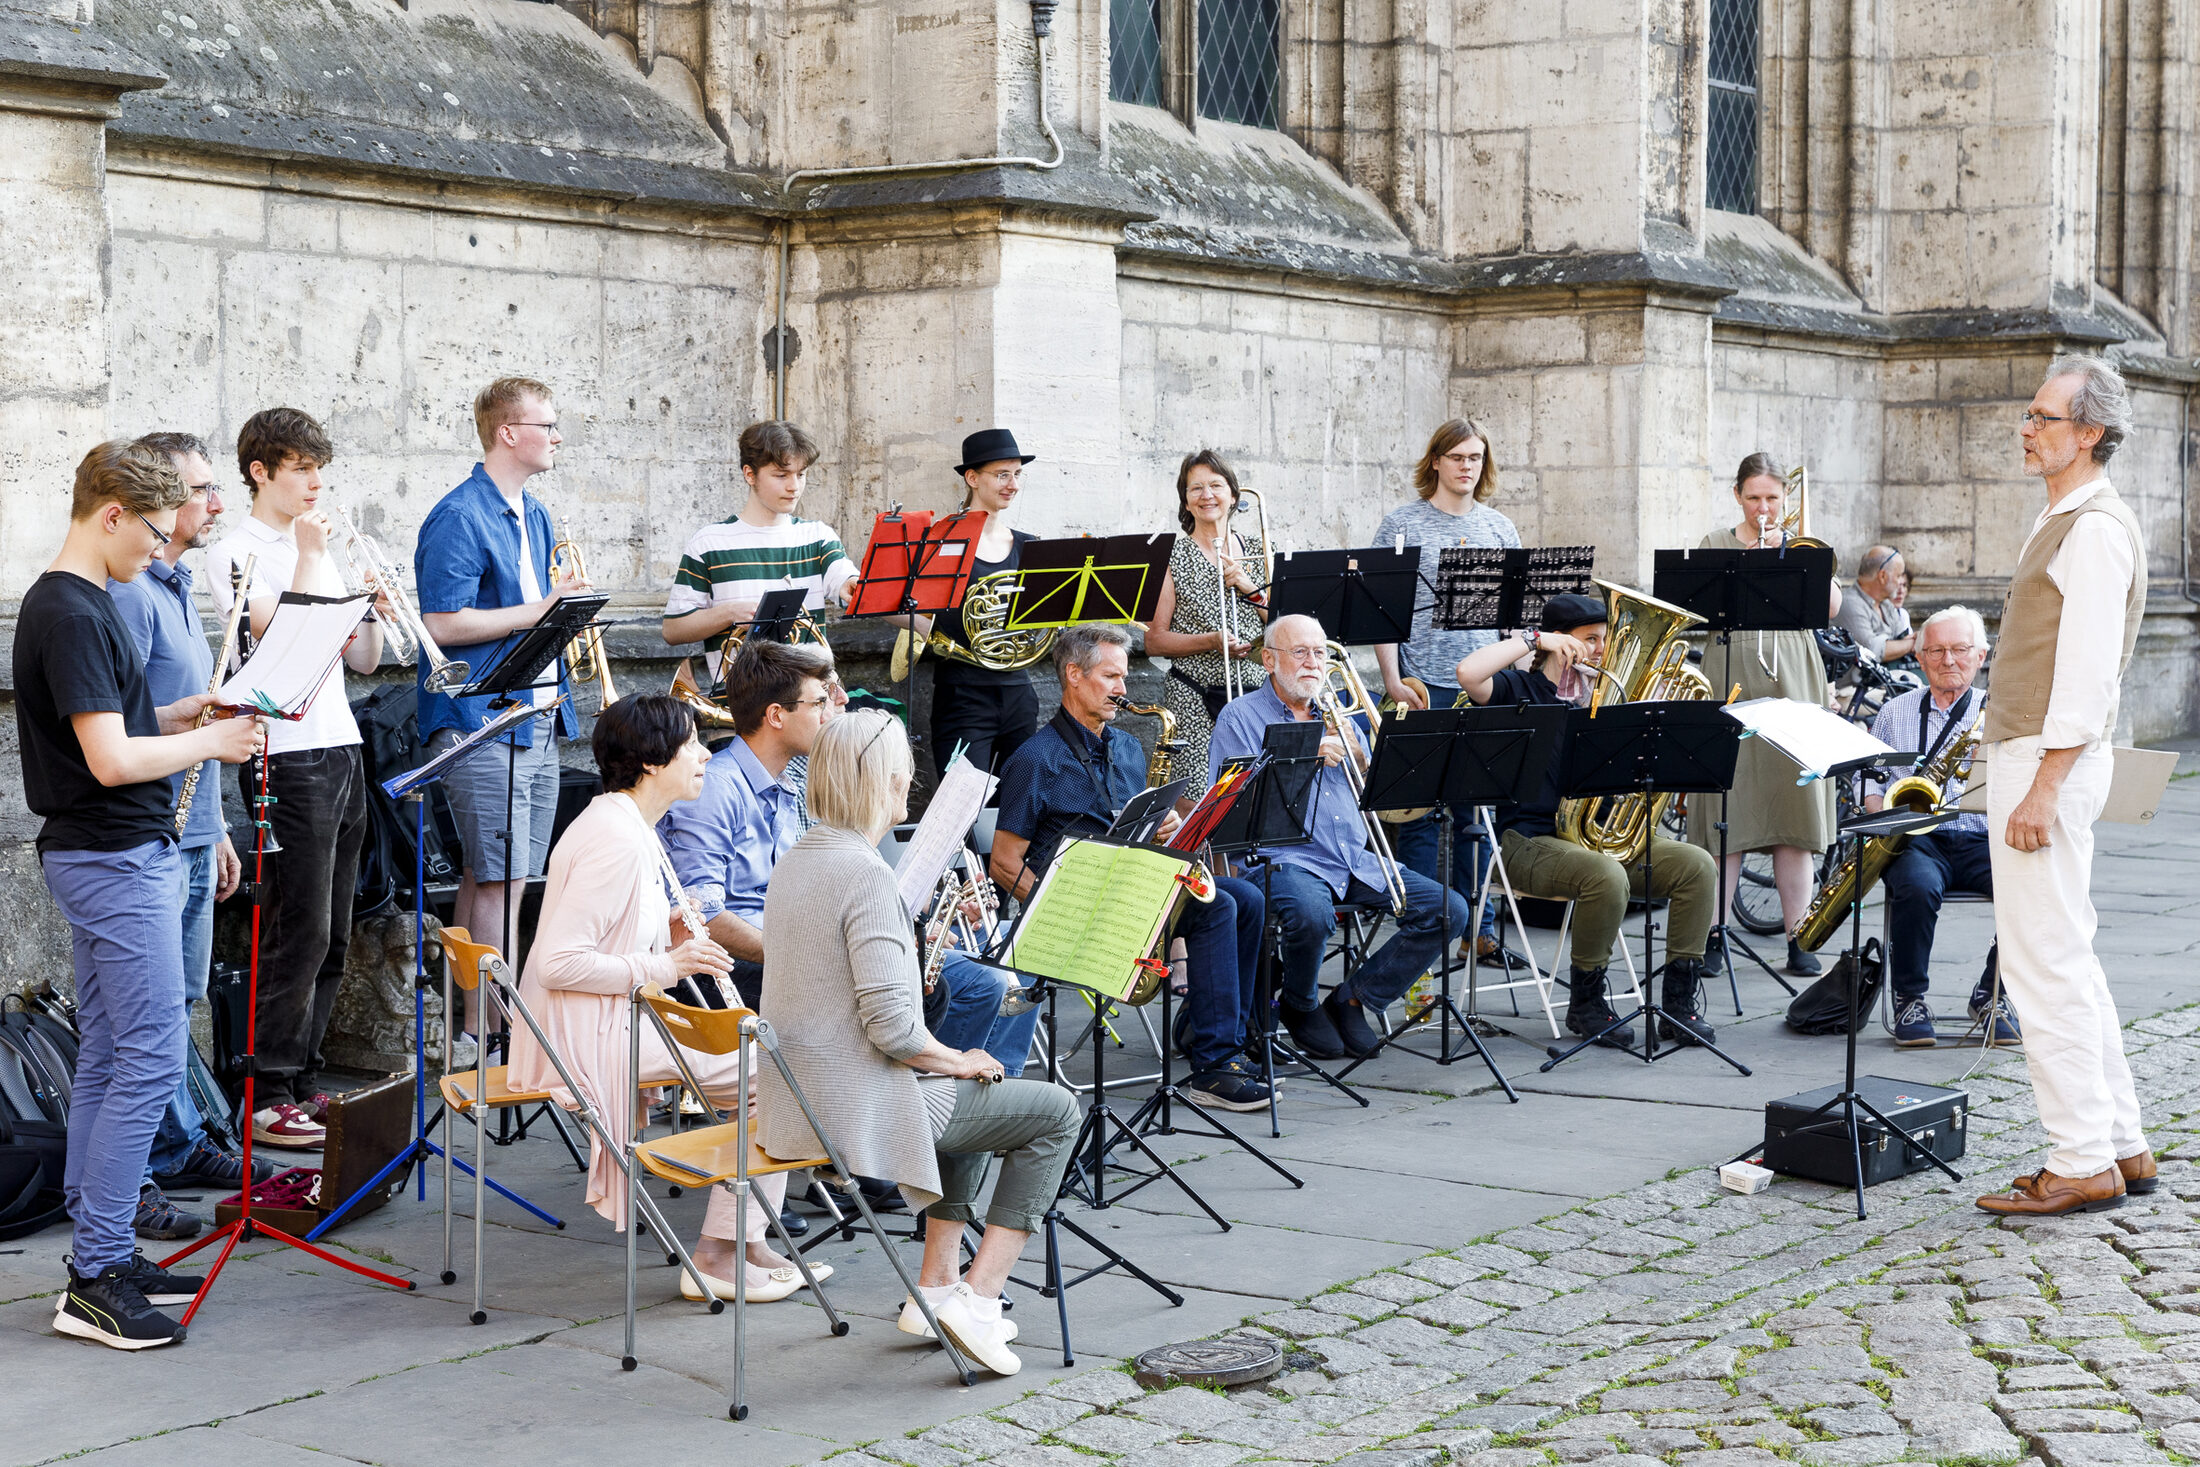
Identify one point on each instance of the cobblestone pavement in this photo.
(1682, 1324)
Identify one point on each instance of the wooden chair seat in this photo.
(458, 1090)
(705, 1156)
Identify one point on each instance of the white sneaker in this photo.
(976, 1327)
(912, 1318)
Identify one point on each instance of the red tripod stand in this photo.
(246, 1226)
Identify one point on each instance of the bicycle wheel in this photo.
(1756, 899)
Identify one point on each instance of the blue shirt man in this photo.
(1067, 780)
(725, 842)
(1338, 852)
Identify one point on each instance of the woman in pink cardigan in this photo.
(606, 930)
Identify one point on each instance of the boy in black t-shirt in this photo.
(96, 760)
(1546, 667)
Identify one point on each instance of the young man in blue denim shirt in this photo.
(482, 565)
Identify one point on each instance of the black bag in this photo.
(1823, 1008)
(34, 1134)
(1214, 698)
(388, 721)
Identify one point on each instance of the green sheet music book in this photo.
(1097, 911)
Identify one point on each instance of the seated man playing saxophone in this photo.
(1545, 864)
(1954, 856)
(1071, 778)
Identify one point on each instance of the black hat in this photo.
(991, 447)
(1565, 611)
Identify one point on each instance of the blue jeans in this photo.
(128, 951)
(1222, 964)
(1307, 909)
(180, 1123)
(1415, 845)
(974, 1019)
(1929, 867)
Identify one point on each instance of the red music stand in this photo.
(246, 1225)
(916, 566)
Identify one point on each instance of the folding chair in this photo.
(1499, 877)
(1886, 927)
(726, 1155)
(478, 965)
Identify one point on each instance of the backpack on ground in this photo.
(1823, 1008)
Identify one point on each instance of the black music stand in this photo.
(1112, 578)
(915, 567)
(1277, 810)
(1360, 596)
(1850, 1100)
(1778, 590)
(1638, 749)
(1457, 756)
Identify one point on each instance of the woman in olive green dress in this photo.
(1771, 811)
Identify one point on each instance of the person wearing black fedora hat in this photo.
(989, 711)
(1545, 666)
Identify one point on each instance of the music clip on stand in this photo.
(1850, 1100)
(1645, 749)
(1444, 757)
(1778, 590)
(412, 787)
(246, 1226)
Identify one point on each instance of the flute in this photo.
(240, 579)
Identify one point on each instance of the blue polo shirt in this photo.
(468, 557)
(164, 622)
(1338, 851)
(725, 842)
(1064, 781)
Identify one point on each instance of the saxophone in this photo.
(1165, 744)
(1646, 660)
(1852, 880)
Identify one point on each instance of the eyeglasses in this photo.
(1950, 654)
(522, 423)
(1301, 654)
(2041, 420)
(817, 702)
(158, 533)
(1460, 460)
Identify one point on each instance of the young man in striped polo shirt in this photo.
(727, 567)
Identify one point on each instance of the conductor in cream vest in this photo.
(2067, 631)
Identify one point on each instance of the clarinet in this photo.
(239, 578)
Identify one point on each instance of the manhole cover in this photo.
(1209, 1362)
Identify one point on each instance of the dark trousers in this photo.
(1222, 962)
(1415, 844)
(1307, 908)
(320, 818)
(989, 720)
(1930, 867)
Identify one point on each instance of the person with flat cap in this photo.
(989, 711)
(1544, 666)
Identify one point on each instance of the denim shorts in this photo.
(478, 789)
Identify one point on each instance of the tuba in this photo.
(586, 661)
(1852, 880)
(1165, 743)
(985, 624)
(1645, 661)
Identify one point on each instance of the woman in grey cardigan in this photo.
(842, 988)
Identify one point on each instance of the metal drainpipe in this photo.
(1042, 29)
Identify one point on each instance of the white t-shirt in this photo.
(530, 589)
(328, 723)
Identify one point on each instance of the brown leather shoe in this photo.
(2139, 1173)
(2044, 1194)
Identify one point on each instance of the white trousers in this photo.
(2044, 921)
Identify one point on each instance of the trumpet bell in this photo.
(449, 674)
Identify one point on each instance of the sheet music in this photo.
(963, 791)
(1816, 738)
(401, 785)
(1096, 914)
(303, 641)
(1472, 583)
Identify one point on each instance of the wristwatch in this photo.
(1532, 637)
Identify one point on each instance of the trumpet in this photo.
(1334, 713)
(406, 630)
(239, 578)
(586, 661)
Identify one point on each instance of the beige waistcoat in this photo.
(2031, 618)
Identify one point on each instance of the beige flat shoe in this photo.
(779, 1283)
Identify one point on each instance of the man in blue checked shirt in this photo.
(482, 566)
(1950, 857)
(1307, 881)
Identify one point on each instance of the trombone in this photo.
(405, 630)
(1334, 714)
(586, 661)
(1233, 679)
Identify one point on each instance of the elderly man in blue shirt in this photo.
(1307, 882)
(164, 623)
(482, 566)
(1071, 778)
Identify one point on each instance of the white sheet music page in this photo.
(963, 791)
(1816, 738)
(289, 664)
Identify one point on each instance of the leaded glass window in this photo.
(1730, 176)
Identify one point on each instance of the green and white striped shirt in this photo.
(738, 561)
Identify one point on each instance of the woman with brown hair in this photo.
(1456, 479)
(1770, 811)
(1188, 625)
